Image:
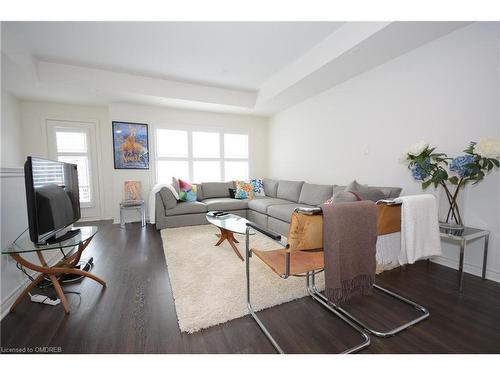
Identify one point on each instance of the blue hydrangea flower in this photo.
(458, 165)
(419, 171)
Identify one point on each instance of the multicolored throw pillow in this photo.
(244, 190)
(187, 192)
(257, 187)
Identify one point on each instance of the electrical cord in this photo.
(18, 237)
(44, 285)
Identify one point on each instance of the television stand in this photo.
(23, 245)
(66, 236)
(67, 278)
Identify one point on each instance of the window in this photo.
(70, 142)
(71, 146)
(172, 143)
(206, 145)
(172, 155)
(236, 170)
(236, 146)
(201, 156)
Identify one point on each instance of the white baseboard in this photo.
(128, 222)
(94, 218)
(468, 268)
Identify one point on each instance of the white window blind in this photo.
(200, 156)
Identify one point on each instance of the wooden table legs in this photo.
(229, 236)
(65, 266)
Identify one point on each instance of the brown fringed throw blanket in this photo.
(350, 238)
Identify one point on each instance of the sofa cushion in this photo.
(175, 184)
(284, 211)
(244, 190)
(270, 187)
(168, 198)
(337, 188)
(258, 187)
(188, 192)
(391, 192)
(373, 193)
(216, 189)
(343, 196)
(289, 190)
(225, 204)
(355, 186)
(261, 204)
(183, 208)
(199, 193)
(315, 195)
(370, 194)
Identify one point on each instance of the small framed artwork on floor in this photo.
(130, 145)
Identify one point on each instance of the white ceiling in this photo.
(225, 54)
(255, 68)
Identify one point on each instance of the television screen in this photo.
(52, 197)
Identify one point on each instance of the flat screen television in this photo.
(52, 198)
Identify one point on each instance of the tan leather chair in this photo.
(302, 256)
(305, 240)
(304, 248)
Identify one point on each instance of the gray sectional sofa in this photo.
(272, 211)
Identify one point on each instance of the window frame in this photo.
(191, 159)
(78, 127)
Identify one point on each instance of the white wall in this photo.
(445, 92)
(13, 218)
(257, 128)
(11, 147)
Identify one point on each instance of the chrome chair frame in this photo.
(277, 238)
(316, 294)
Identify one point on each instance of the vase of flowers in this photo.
(452, 174)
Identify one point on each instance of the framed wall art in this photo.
(130, 145)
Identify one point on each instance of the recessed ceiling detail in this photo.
(247, 67)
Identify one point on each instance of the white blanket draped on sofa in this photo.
(419, 236)
(419, 228)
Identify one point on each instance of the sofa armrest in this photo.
(168, 199)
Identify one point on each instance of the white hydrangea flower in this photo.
(417, 148)
(489, 148)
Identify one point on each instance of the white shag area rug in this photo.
(209, 282)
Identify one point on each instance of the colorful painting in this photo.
(132, 191)
(130, 145)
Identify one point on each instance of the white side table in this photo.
(135, 205)
(461, 237)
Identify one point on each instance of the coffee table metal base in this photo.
(229, 237)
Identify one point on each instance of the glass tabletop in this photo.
(230, 222)
(467, 233)
(23, 243)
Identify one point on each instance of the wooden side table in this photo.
(461, 237)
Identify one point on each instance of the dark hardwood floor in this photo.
(136, 312)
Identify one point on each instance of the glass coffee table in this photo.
(228, 225)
